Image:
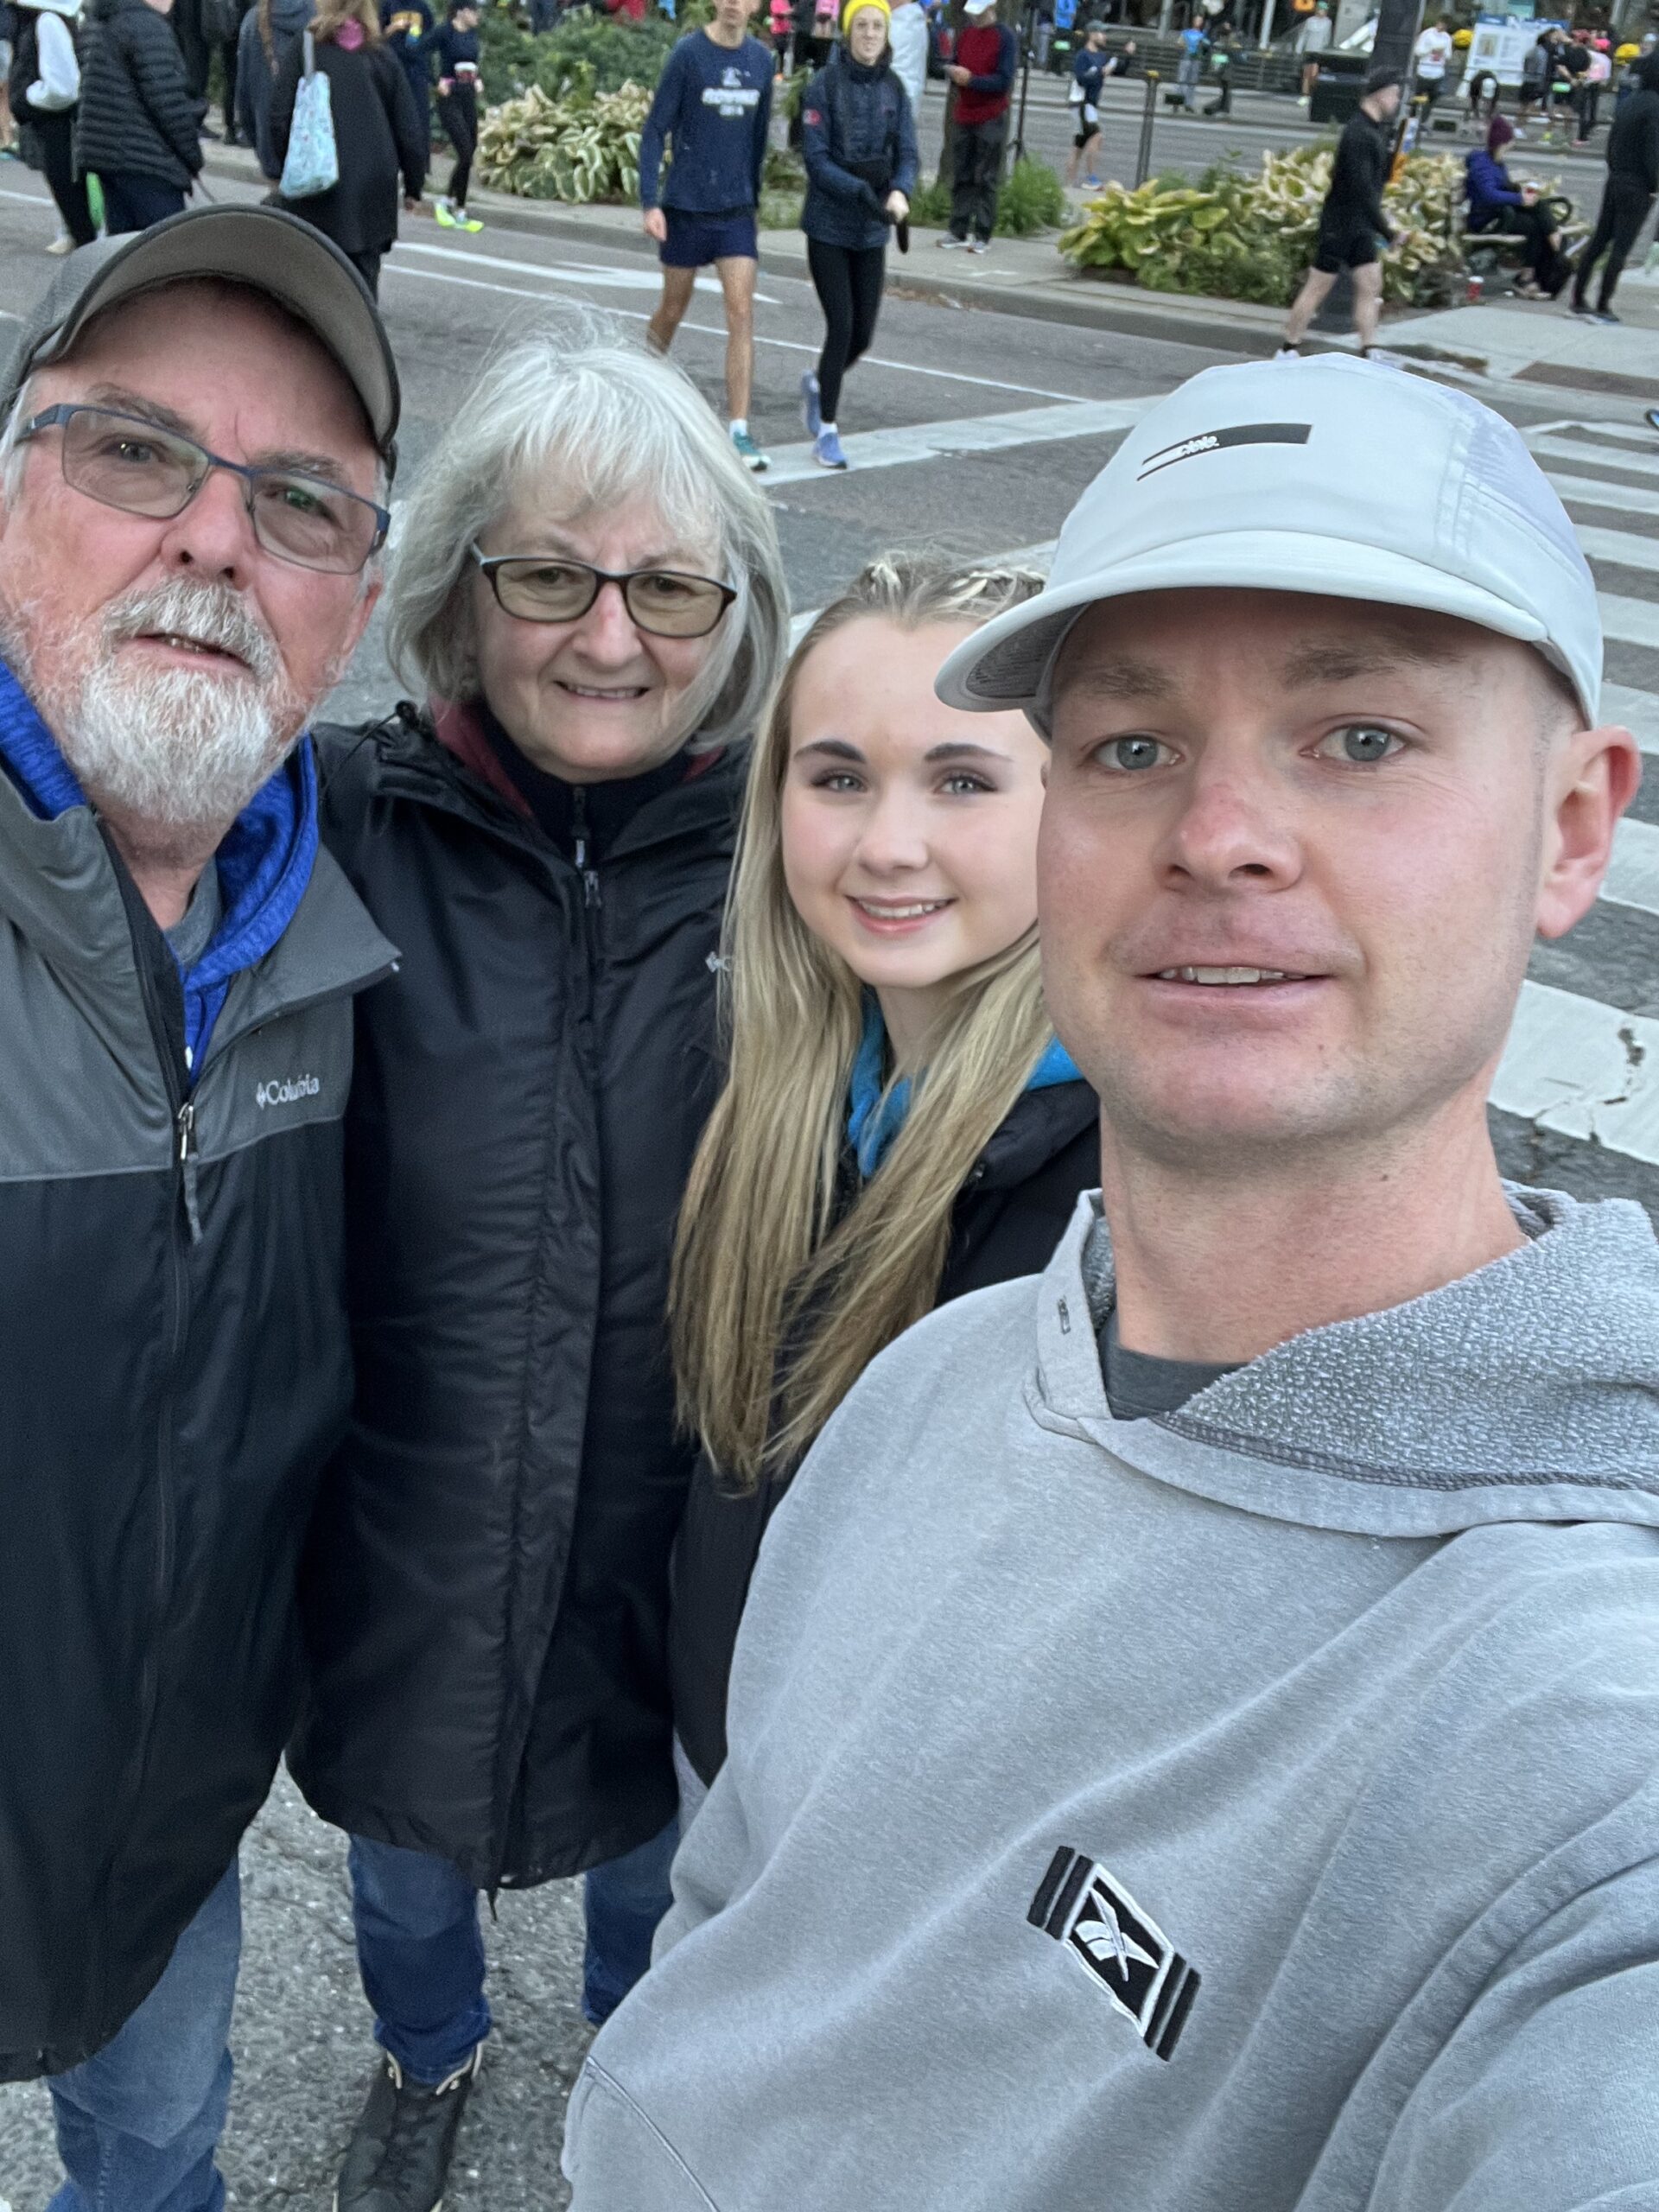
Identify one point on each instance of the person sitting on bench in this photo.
(1496, 203)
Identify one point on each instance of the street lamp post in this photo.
(1029, 40)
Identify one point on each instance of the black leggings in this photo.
(458, 113)
(1624, 207)
(848, 285)
(55, 136)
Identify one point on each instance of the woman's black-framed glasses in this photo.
(546, 588)
(122, 461)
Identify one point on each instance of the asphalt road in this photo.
(939, 462)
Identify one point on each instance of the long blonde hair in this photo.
(331, 17)
(761, 1264)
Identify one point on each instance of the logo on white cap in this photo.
(1237, 434)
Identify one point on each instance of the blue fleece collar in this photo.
(265, 859)
(875, 1119)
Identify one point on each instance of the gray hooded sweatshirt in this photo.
(1253, 1807)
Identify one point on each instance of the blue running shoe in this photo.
(826, 450)
(810, 412)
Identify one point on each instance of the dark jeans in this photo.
(1222, 102)
(367, 266)
(1587, 100)
(458, 113)
(977, 176)
(848, 285)
(133, 203)
(544, 14)
(1624, 207)
(138, 2124)
(1549, 269)
(190, 32)
(55, 136)
(422, 1957)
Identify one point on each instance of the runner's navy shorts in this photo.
(693, 241)
(1351, 246)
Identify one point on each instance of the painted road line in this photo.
(1584, 491)
(1627, 547)
(1633, 877)
(1629, 622)
(705, 329)
(1583, 1070)
(642, 279)
(925, 441)
(1635, 711)
(1577, 450)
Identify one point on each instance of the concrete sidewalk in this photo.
(1539, 343)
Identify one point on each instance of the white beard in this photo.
(174, 749)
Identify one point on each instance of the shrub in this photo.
(1250, 237)
(617, 50)
(580, 147)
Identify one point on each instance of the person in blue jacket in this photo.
(408, 26)
(1496, 203)
(1088, 75)
(858, 139)
(712, 107)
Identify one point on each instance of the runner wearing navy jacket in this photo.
(713, 105)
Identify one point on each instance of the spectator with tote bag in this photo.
(45, 82)
(269, 30)
(376, 133)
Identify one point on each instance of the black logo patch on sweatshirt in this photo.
(1081, 1904)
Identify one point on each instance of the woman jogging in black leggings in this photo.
(859, 140)
(455, 45)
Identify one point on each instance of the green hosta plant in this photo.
(1250, 237)
(581, 147)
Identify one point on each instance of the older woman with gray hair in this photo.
(587, 587)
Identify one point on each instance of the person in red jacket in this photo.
(983, 72)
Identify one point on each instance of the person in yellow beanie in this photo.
(858, 139)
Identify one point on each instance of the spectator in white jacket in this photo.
(46, 94)
(907, 42)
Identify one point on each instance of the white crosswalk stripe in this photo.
(1574, 1064)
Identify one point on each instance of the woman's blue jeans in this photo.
(421, 1956)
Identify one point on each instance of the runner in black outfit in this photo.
(1632, 180)
(454, 43)
(1351, 221)
(858, 140)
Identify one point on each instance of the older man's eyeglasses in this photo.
(546, 588)
(122, 461)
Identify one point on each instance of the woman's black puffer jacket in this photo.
(377, 140)
(137, 118)
(1008, 1218)
(487, 1588)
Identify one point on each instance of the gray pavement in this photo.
(970, 432)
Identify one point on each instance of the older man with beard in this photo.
(198, 427)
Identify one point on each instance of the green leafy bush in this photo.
(616, 49)
(1243, 237)
(581, 147)
(1032, 199)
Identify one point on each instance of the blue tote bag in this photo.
(312, 163)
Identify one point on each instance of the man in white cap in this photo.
(987, 56)
(198, 426)
(1195, 1731)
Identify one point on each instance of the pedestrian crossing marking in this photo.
(1554, 448)
(1583, 1070)
(1635, 711)
(1633, 875)
(1629, 498)
(974, 434)
(1629, 622)
(1628, 548)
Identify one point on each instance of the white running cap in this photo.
(1331, 476)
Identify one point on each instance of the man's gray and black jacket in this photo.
(136, 117)
(175, 1370)
(487, 1593)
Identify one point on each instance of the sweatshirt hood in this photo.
(1527, 1391)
